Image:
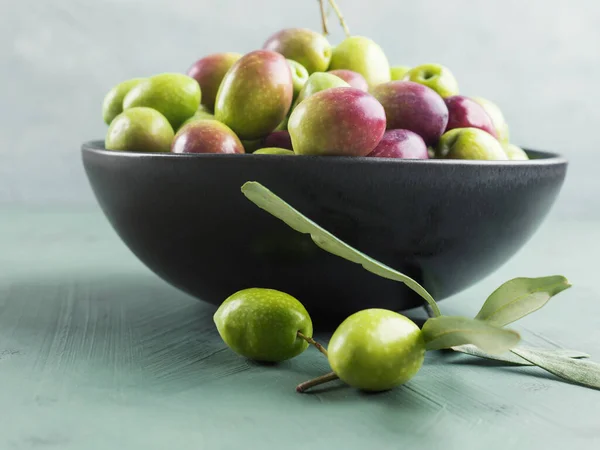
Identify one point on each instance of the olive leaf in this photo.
(451, 331)
(579, 371)
(512, 358)
(267, 200)
(519, 297)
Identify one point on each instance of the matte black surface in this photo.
(446, 223)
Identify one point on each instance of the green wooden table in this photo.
(98, 353)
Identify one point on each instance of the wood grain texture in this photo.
(97, 353)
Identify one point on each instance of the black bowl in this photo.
(445, 223)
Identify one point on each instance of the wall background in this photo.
(539, 59)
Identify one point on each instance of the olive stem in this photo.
(303, 387)
(340, 16)
(313, 342)
(323, 17)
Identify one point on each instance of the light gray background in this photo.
(539, 59)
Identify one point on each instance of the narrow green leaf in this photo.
(512, 358)
(267, 200)
(579, 371)
(451, 331)
(519, 297)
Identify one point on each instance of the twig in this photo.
(340, 16)
(313, 342)
(323, 17)
(303, 387)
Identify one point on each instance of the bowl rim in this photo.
(543, 157)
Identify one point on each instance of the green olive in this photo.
(263, 324)
(376, 350)
(139, 130)
(112, 105)
(274, 151)
(174, 95)
(515, 153)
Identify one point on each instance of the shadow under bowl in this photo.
(446, 223)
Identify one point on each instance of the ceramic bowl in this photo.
(446, 223)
